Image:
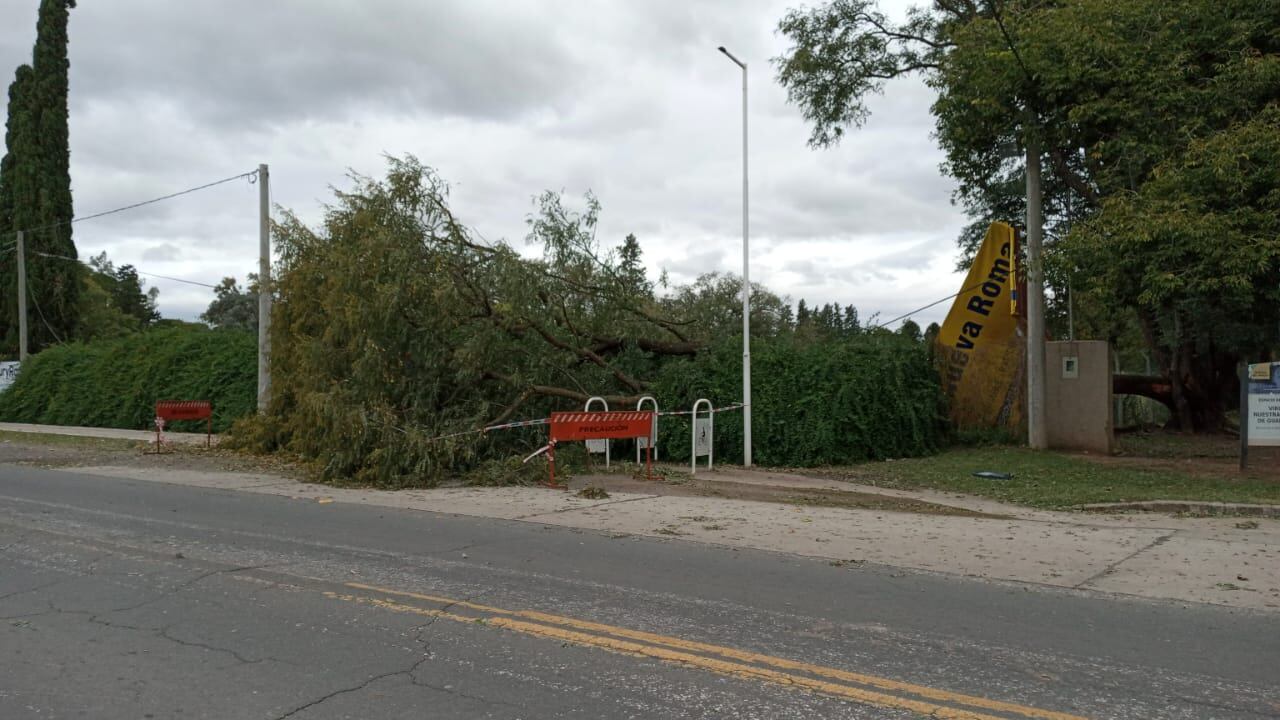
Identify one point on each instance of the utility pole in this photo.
(264, 287)
(22, 298)
(1037, 434)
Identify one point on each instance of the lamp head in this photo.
(729, 55)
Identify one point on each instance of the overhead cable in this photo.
(138, 270)
(251, 175)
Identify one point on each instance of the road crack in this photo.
(356, 688)
(418, 633)
(449, 689)
(164, 633)
(37, 588)
(184, 585)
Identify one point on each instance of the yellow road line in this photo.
(722, 667)
(671, 647)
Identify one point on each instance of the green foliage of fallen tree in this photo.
(115, 383)
(817, 401)
(398, 333)
(394, 325)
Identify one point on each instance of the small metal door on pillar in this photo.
(703, 435)
(598, 446)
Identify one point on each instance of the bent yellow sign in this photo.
(980, 346)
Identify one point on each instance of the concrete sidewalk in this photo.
(147, 436)
(777, 478)
(1208, 560)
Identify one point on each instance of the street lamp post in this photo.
(746, 280)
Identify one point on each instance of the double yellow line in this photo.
(857, 687)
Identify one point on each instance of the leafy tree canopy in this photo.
(234, 306)
(394, 324)
(124, 289)
(1157, 120)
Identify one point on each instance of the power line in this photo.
(138, 270)
(174, 279)
(926, 307)
(253, 174)
(32, 293)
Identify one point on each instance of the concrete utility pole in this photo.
(22, 298)
(746, 279)
(264, 288)
(1037, 433)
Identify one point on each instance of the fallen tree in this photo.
(1157, 388)
(398, 332)
(394, 323)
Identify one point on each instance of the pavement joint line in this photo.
(273, 483)
(729, 662)
(1087, 520)
(585, 507)
(1116, 565)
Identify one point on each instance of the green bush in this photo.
(116, 383)
(817, 401)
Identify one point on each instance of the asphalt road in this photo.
(127, 599)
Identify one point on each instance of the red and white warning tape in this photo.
(521, 423)
(726, 408)
(546, 421)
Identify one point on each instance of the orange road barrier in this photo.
(617, 425)
(169, 410)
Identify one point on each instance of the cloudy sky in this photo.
(629, 100)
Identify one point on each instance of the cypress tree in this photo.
(35, 188)
(18, 91)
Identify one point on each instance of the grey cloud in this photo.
(629, 100)
(165, 252)
(800, 267)
(244, 62)
(817, 275)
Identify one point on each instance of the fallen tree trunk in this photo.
(1155, 387)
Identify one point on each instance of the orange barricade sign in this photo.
(184, 409)
(167, 410)
(617, 425)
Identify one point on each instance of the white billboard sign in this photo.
(8, 373)
(1262, 419)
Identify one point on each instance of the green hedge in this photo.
(816, 401)
(116, 383)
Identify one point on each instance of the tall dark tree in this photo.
(910, 329)
(631, 266)
(124, 290)
(851, 324)
(19, 90)
(233, 306)
(803, 316)
(35, 189)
